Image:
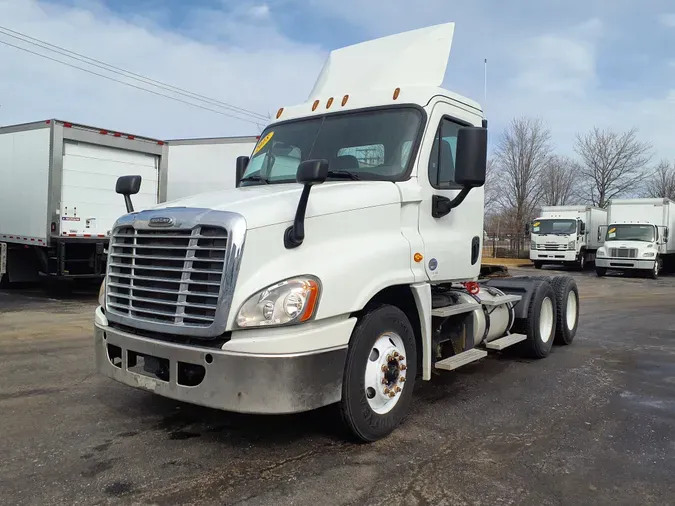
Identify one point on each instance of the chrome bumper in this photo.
(624, 263)
(244, 383)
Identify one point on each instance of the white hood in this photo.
(264, 205)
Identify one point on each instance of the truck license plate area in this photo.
(189, 375)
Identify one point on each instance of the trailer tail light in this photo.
(103, 132)
(117, 134)
(130, 137)
(161, 143)
(68, 125)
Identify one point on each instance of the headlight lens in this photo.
(648, 254)
(533, 245)
(290, 301)
(572, 245)
(600, 253)
(101, 295)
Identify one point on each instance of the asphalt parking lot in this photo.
(594, 423)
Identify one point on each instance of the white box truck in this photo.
(57, 195)
(204, 165)
(341, 268)
(638, 237)
(566, 235)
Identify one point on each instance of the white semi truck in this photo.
(57, 198)
(341, 268)
(204, 165)
(566, 235)
(638, 237)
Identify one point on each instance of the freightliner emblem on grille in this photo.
(160, 221)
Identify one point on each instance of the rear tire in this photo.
(540, 324)
(367, 412)
(600, 271)
(567, 309)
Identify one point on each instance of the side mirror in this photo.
(127, 186)
(310, 172)
(242, 163)
(665, 234)
(471, 157)
(470, 168)
(582, 228)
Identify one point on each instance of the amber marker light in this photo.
(418, 257)
(312, 288)
(315, 105)
(344, 100)
(280, 112)
(397, 92)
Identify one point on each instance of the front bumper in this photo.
(553, 256)
(623, 263)
(232, 381)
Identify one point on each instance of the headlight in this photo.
(101, 294)
(600, 253)
(572, 245)
(648, 254)
(533, 245)
(290, 301)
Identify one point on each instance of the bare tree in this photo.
(611, 163)
(522, 153)
(661, 182)
(558, 181)
(491, 186)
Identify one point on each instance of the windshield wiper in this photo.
(254, 178)
(343, 174)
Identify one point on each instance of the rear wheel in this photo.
(540, 324)
(567, 308)
(379, 374)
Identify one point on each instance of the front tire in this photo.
(538, 265)
(379, 374)
(600, 271)
(581, 261)
(656, 270)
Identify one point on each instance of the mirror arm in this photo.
(127, 202)
(295, 234)
(441, 206)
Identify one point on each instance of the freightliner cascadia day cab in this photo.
(341, 268)
(57, 195)
(566, 235)
(638, 237)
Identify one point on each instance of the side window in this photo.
(406, 147)
(366, 156)
(442, 161)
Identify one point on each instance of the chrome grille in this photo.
(553, 247)
(623, 252)
(167, 276)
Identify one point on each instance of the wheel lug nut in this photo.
(384, 381)
(403, 367)
(384, 368)
(402, 379)
(397, 389)
(401, 357)
(387, 391)
(389, 358)
(392, 394)
(396, 354)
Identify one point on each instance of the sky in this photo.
(575, 64)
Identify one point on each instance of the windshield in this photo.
(631, 232)
(543, 227)
(372, 144)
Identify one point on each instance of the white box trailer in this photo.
(638, 236)
(57, 194)
(204, 165)
(566, 235)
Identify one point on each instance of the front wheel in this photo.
(600, 271)
(581, 261)
(379, 374)
(656, 270)
(538, 265)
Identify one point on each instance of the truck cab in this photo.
(343, 265)
(563, 235)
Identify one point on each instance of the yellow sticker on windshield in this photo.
(263, 142)
(536, 224)
(613, 229)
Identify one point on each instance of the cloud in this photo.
(209, 58)
(667, 20)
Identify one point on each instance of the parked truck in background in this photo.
(204, 165)
(341, 268)
(638, 237)
(566, 235)
(57, 195)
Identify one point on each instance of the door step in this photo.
(505, 342)
(466, 357)
(502, 299)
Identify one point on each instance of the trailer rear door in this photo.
(89, 205)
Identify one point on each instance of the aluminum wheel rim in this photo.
(656, 267)
(546, 319)
(385, 374)
(571, 312)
